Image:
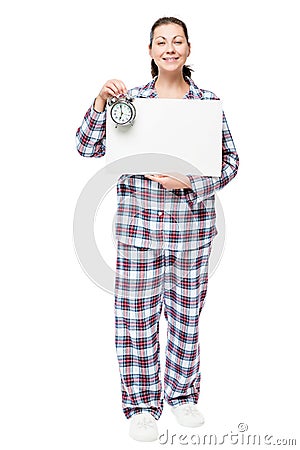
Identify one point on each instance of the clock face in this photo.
(121, 113)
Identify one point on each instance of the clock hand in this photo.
(120, 116)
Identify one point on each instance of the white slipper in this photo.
(143, 427)
(188, 415)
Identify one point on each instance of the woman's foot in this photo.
(143, 427)
(188, 415)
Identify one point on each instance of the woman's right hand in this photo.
(111, 88)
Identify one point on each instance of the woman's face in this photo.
(170, 48)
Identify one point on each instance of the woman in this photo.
(165, 227)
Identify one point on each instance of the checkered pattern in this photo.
(149, 215)
(146, 280)
(164, 242)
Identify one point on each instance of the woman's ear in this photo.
(150, 51)
(189, 52)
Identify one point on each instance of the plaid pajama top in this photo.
(149, 215)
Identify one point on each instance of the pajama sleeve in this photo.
(204, 187)
(90, 136)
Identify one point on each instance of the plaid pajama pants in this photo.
(146, 279)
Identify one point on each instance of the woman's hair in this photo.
(186, 70)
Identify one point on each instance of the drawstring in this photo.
(190, 410)
(145, 422)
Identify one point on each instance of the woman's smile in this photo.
(170, 59)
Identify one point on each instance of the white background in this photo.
(59, 376)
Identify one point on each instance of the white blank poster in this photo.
(183, 128)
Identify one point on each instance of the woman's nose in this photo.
(170, 48)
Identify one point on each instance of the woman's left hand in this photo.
(171, 180)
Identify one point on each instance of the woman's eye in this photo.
(178, 42)
(160, 43)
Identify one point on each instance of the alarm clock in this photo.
(122, 110)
